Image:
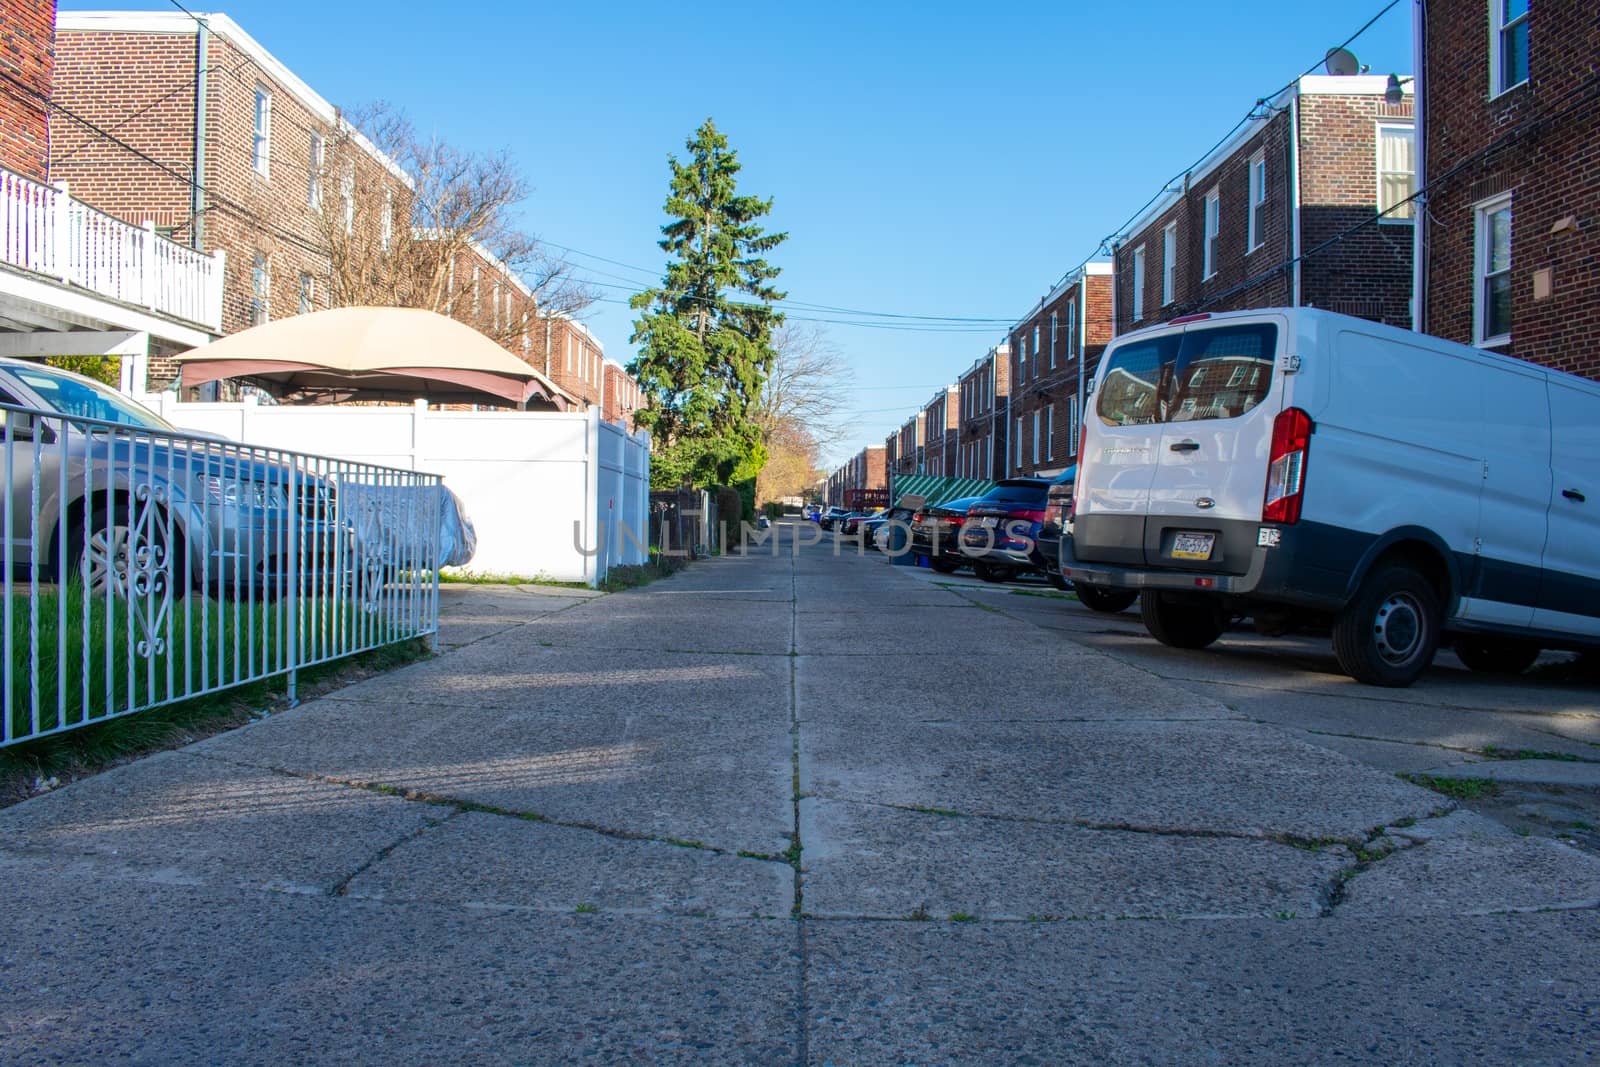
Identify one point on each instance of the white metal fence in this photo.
(44, 230)
(143, 568)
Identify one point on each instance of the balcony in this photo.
(46, 232)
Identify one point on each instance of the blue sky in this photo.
(926, 159)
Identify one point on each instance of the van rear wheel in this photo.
(1179, 624)
(1496, 655)
(1109, 601)
(1388, 634)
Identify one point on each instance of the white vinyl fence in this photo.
(558, 495)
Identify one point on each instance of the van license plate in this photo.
(1193, 545)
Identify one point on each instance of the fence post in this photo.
(291, 598)
(147, 264)
(61, 233)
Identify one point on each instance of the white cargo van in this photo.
(1293, 464)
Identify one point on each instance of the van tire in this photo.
(1108, 601)
(1496, 655)
(1195, 624)
(1388, 634)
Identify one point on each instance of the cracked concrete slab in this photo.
(1330, 991)
(184, 975)
(870, 860)
(725, 782)
(483, 860)
(1186, 776)
(528, 677)
(1396, 757)
(1069, 683)
(176, 817)
(1465, 864)
(1565, 773)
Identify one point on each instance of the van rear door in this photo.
(1212, 452)
(1569, 591)
(1114, 479)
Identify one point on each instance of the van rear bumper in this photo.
(1311, 566)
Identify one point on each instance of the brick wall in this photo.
(622, 397)
(1551, 169)
(571, 357)
(27, 58)
(980, 451)
(1046, 377)
(941, 417)
(1365, 273)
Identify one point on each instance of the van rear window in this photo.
(1204, 373)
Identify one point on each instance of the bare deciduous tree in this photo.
(427, 236)
(800, 407)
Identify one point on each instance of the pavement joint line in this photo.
(418, 796)
(515, 626)
(1289, 840)
(1561, 757)
(796, 847)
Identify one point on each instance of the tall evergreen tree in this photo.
(705, 334)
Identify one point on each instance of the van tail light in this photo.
(1286, 468)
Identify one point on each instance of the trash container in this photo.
(899, 539)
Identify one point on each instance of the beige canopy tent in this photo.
(373, 353)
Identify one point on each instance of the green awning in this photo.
(936, 490)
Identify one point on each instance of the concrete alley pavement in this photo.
(781, 809)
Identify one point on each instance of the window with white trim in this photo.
(1036, 350)
(261, 135)
(1508, 45)
(1072, 330)
(1169, 263)
(386, 224)
(347, 201)
(1052, 340)
(1258, 202)
(260, 290)
(1019, 440)
(307, 293)
(1072, 426)
(1050, 431)
(1036, 438)
(1492, 272)
(1397, 171)
(319, 152)
(1213, 228)
(1138, 283)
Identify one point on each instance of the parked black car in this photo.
(936, 533)
(1000, 537)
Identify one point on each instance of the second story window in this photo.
(1052, 340)
(1213, 228)
(386, 224)
(1397, 172)
(260, 290)
(1169, 263)
(347, 202)
(1508, 45)
(1258, 200)
(308, 293)
(1138, 283)
(314, 164)
(261, 139)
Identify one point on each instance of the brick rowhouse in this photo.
(985, 391)
(1055, 350)
(1285, 213)
(941, 418)
(1510, 123)
(27, 59)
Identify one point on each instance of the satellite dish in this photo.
(1341, 62)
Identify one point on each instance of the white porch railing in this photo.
(46, 231)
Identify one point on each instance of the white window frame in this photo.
(1377, 148)
(1213, 230)
(1035, 437)
(1050, 430)
(1019, 440)
(1036, 350)
(1497, 36)
(1138, 283)
(1072, 330)
(1072, 426)
(307, 295)
(1053, 325)
(261, 132)
(1258, 201)
(1169, 263)
(1482, 231)
(315, 162)
(386, 224)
